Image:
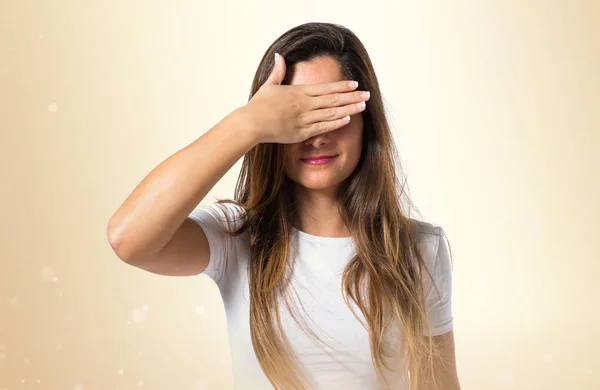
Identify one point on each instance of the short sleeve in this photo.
(211, 217)
(439, 302)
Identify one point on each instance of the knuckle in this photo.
(302, 118)
(295, 107)
(334, 99)
(299, 103)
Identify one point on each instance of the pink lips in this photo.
(318, 160)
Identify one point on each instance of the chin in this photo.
(315, 180)
(318, 184)
(317, 187)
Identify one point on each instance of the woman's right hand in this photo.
(288, 114)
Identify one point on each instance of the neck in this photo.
(318, 214)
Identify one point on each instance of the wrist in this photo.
(246, 125)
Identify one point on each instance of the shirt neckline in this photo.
(322, 239)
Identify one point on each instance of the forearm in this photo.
(442, 382)
(443, 366)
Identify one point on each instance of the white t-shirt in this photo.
(345, 362)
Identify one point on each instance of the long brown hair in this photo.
(386, 277)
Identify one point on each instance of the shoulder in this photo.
(423, 228)
(431, 241)
(426, 233)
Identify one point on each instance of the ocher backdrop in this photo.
(495, 108)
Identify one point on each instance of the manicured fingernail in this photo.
(353, 84)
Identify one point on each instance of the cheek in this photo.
(353, 129)
(353, 139)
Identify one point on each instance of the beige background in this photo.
(495, 108)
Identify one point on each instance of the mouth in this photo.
(318, 160)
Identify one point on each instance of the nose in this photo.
(319, 140)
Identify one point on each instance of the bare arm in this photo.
(151, 224)
(151, 230)
(444, 367)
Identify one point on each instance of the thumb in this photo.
(278, 73)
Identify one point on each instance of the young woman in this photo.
(326, 280)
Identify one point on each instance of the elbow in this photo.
(118, 244)
(127, 247)
(115, 243)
